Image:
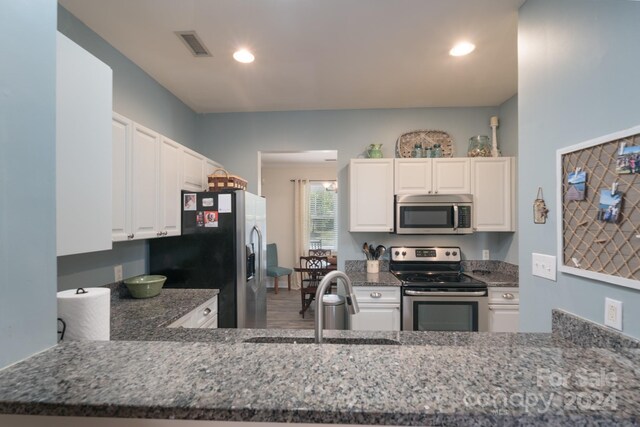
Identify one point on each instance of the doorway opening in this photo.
(302, 219)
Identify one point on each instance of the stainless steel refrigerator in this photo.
(222, 246)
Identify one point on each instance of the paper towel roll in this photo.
(87, 315)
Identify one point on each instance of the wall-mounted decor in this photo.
(599, 235)
(540, 211)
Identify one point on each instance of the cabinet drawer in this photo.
(377, 294)
(198, 317)
(504, 296)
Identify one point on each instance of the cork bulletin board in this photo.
(592, 242)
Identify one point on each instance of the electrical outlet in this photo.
(485, 254)
(543, 266)
(613, 313)
(117, 272)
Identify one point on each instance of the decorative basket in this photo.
(219, 182)
(426, 139)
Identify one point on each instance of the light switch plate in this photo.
(543, 266)
(485, 255)
(117, 272)
(613, 313)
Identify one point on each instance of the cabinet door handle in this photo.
(429, 192)
(130, 236)
(436, 191)
(207, 311)
(375, 295)
(159, 233)
(508, 296)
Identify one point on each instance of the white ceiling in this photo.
(317, 54)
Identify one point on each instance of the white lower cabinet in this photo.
(203, 317)
(504, 309)
(379, 309)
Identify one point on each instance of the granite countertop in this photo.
(147, 319)
(431, 378)
(383, 278)
(493, 278)
(493, 273)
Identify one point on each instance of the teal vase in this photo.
(375, 151)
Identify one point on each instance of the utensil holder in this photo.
(373, 266)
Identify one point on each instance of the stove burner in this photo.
(431, 278)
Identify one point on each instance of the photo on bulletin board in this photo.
(628, 159)
(200, 219)
(609, 207)
(211, 218)
(577, 185)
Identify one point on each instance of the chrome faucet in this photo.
(322, 287)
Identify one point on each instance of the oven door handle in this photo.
(455, 217)
(445, 294)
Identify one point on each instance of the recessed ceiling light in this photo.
(462, 48)
(244, 56)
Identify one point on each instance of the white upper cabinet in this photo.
(371, 195)
(148, 171)
(144, 192)
(83, 150)
(169, 188)
(413, 176)
(192, 170)
(432, 176)
(451, 176)
(121, 131)
(493, 190)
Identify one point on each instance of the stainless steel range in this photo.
(436, 295)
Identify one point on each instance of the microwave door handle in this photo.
(455, 217)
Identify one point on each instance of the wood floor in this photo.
(283, 310)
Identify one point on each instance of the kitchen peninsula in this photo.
(427, 378)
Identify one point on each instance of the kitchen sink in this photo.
(309, 340)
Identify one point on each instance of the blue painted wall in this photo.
(139, 97)
(235, 138)
(578, 79)
(28, 308)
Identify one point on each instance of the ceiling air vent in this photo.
(193, 42)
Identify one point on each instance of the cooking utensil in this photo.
(380, 250)
(372, 251)
(365, 249)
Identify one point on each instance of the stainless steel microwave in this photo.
(434, 214)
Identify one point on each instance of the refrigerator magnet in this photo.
(224, 203)
(210, 219)
(208, 202)
(189, 202)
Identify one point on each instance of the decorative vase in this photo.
(375, 151)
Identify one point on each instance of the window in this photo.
(323, 215)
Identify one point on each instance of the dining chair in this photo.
(320, 252)
(310, 279)
(275, 271)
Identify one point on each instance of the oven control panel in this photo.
(425, 254)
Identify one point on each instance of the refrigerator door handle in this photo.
(259, 252)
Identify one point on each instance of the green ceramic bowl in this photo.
(145, 286)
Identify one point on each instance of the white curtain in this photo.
(301, 223)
